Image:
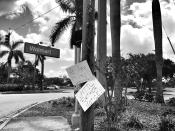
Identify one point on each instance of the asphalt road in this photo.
(168, 93)
(12, 102)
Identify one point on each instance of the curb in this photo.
(5, 120)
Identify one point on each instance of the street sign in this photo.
(41, 50)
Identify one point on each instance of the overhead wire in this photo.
(168, 39)
(35, 18)
(167, 34)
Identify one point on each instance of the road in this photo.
(168, 93)
(12, 102)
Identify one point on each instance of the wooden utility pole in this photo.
(101, 42)
(87, 118)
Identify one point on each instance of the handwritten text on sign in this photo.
(80, 73)
(89, 93)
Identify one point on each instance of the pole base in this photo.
(75, 120)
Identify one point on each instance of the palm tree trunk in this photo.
(9, 70)
(101, 43)
(157, 28)
(87, 118)
(34, 73)
(115, 20)
(42, 73)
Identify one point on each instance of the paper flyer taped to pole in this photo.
(80, 73)
(89, 93)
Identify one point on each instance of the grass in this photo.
(51, 108)
(148, 114)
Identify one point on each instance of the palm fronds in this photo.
(67, 5)
(5, 44)
(59, 28)
(19, 54)
(3, 53)
(16, 44)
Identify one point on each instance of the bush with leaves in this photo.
(171, 101)
(134, 122)
(144, 96)
(166, 124)
(67, 101)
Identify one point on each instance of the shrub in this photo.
(166, 124)
(139, 95)
(149, 97)
(171, 101)
(11, 87)
(144, 96)
(67, 101)
(134, 122)
(99, 112)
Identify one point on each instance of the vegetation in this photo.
(75, 9)
(12, 52)
(137, 116)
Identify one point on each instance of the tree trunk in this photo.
(87, 118)
(157, 28)
(42, 73)
(101, 44)
(115, 20)
(34, 73)
(9, 70)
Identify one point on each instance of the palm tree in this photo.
(101, 43)
(40, 58)
(115, 20)
(157, 28)
(12, 52)
(75, 9)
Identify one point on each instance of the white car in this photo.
(53, 87)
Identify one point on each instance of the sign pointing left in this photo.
(41, 50)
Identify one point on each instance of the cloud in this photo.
(11, 9)
(136, 30)
(50, 60)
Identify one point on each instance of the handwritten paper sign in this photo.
(80, 73)
(89, 93)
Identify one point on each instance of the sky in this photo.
(136, 29)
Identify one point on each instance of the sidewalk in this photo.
(49, 123)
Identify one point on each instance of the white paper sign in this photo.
(80, 73)
(89, 93)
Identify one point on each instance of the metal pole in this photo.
(76, 115)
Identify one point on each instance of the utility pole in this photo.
(101, 43)
(87, 118)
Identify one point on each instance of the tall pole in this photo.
(101, 43)
(76, 115)
(87, 118)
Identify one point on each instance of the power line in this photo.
(168, 39)
(36, 18)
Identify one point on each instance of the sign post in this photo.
(40, 51)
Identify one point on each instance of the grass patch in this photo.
(52, 108)
(138, 116)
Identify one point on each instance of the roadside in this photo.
(50, 115)
(12, 102)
